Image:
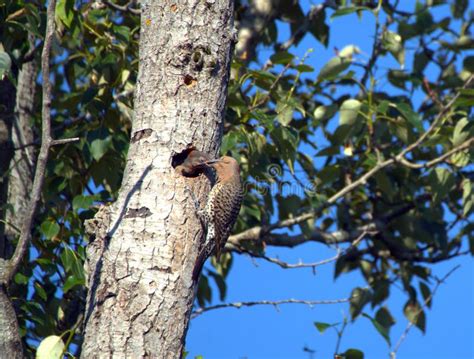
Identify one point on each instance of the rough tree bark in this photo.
(10, 343)
(16, 167)
(143, 247)
(24, 155)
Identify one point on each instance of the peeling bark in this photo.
(143, 248)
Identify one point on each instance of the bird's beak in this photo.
(210, 162)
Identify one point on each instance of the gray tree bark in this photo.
(143, 248)
(23, 161)
(17, 158)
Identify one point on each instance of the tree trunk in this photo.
(143, 248)
(10, 343)
(24, 155)
(16, 168)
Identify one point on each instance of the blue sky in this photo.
(264, 332)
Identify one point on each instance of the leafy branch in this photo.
(258, 232)
(11, 266)
(410, 324)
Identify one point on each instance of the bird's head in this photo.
(225, 167)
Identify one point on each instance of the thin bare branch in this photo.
(376, 50)
(266, 97)
(63, 141)
(124, 8)
(312, 265)
(298, 34)
(393, 353)
(464, 146)
(276, 303)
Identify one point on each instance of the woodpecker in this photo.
(193, 163)
(222, 208)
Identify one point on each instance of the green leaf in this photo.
(465, 99)
(221, 285)
(286, 139)
(304, 68)
(20, 278)
(411, 116)
(323, 326)
(381, 291)
(65, 11)
(122, 33)
(51, 347)
(329, 174)
(204, 294)
(333, 68)
(288, 206)
(459, 136)
(441, 181)
(253, 212)
(290, 11)
(82, 202)
(398, 78)
(40, 291)
(72, 263)
(318, 27)
(467, 197)
(348, 51)
(50, 228)
(325, 112)
(384, 318)
(71, 282)
(282, 57)
(461, 159)
(392, 42)
(459, 7)
(383, 331)
(359, 298)
(284, 111)
(468, 64)
(353, 354)
(422, 59)
(343, 11)
(5, 64)
(384, 182)
(229, 141)
(100, 141)
(349, 111)
(415, 314)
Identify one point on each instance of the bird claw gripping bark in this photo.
(197, 206)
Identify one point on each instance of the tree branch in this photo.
(124, 8)
(465, 145)
(12, 265)
(410, 324)
(313, 265)
(376, 50)
(435, 123)
(239, 305)
(260, 231)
